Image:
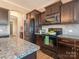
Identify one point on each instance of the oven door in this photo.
(50, 42)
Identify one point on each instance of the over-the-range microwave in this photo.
(55, 18)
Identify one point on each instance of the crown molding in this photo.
(16, 4)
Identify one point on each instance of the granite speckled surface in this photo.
(13, 48)
(69, 36)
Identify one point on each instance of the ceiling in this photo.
(32, 4)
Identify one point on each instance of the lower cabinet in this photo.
(39, 40)
(77, 53)
(31, 56)
(65, 52)
(68, 48)
(77, 49)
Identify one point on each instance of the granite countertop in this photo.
(69, 36)
(13, 48)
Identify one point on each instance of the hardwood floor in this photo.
(41, 55)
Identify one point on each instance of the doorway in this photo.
(13, 26)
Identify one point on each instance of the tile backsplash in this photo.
(68, 29)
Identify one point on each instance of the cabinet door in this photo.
(39, 40)
(42, 19)
(67, 13)
(77, 50)
(65, 52)
(48, 11)
(55, 8)
(66, 49)
(76, 11)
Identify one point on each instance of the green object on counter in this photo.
(46, 40)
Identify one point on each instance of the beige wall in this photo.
(20, 20)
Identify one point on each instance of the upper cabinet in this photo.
(53, 9)
(76, 11)
(42, 18)
(67, 12)
(53, 13)
(33, 16)
(60, 13)
(3, 16)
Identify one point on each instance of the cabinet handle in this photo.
(72, 48)
(65, 40)
(67, 52)
(77, 49)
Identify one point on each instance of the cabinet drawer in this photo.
(77, 44)
(66, 41)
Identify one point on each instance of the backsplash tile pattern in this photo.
(68, 29)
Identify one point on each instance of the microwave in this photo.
(55, 18)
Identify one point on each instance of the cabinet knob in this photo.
(67, 52)
(72, 48)
(77, 49)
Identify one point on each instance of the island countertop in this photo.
(13, 48)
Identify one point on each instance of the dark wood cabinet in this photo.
(39, 40)
(42, 18)
(68, 48)
(53, 9)
(77, 49)
(67, 12)
(31, 56)
(3, 16)
(52, 13)
(76, 11)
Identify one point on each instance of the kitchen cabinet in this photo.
(31, 56)
(77, 49)
(39, 40)
(42, 18)
(67, 12)
(68, 48)
(52, 13)
(52, 9)
(76, 11)
(65, 48)
(3, 16)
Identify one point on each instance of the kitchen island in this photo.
(13, 48)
